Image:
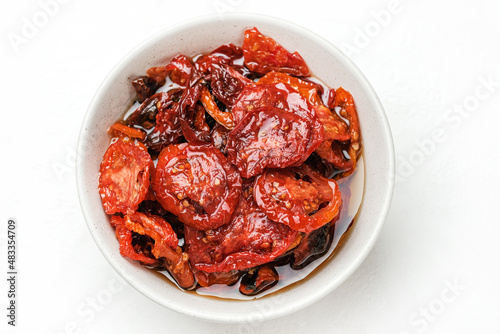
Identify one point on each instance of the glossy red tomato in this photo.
(263, 54)
(298, 197)
(250, 239)
(196, 183)
(343, 144)
(268, 138)
(124, 176)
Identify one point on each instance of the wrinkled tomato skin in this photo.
(284, 97)
(298, 202)
(225, 54)
(263, 54)
(249, 240)
(124, 176)
(124, 237)
(195, 182)
(268, 138)
(227, 83)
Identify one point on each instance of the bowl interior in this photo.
(200, 36)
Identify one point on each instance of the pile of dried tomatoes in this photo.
(231, 170)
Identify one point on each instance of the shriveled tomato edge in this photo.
(247, 259)
(298, 222)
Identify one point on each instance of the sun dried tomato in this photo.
(208, 279)
(282, 96)
(124, 176)
(195, 182)
(259, 280)
(307, 89)
(227, 83)
(298, 197)
(249, 240)
(223, 118)
(268, 138)
(343, 144)
(145, 87)
(180, 70)
(263, 54)
(226, 54)
(124, 237)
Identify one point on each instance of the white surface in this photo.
(433, 270)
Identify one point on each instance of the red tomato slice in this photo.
(268, 138)
(195, 182)
(298, 197)
(262, 54)
(249, 240)
(124, 176)
(342, 144)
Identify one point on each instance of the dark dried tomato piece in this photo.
(124, 176)
(145, 87)
(259, 280)
(227, 83)
(249, 240)
(313, 246)
(298, 197)
(263, 54)
(195, 182)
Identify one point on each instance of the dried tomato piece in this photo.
(124, 176)
(307, 89)
(313, 246)
(249, 240)
(257, 281)
(145, 87)
(124, 237)
(263, 54)
(180, 70)
(195, 182)
(298, 197)
(122, 130)
(223, 118)
(219, 137)
(282, 96)
(165, 245)
(227, 83)
(226, 54)
(268, 138)
(335, 127)
(207, 279)
(343, 143)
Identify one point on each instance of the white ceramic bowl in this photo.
(202, 35)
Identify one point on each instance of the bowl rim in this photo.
(353, 70)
